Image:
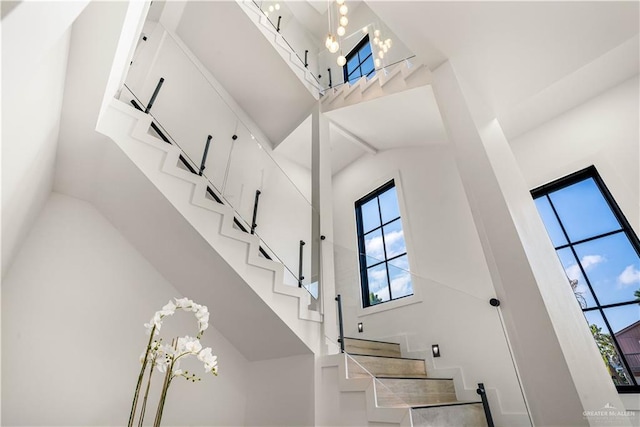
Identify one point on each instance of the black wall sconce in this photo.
(435, 350)
(360, 327)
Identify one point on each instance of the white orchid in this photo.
(210, 361)
(201, 313)
(188, 345)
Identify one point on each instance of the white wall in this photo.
(30, 126)
(73, 308)
(35, 49)
(603, 132)
(447, 262)
(281, 392)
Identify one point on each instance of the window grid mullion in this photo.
(384, 248)
(589, 239)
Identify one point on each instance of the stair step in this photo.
(398, 392)
(459, 414)
(371, 348)
(362, 366)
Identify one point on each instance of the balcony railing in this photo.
(216, 143)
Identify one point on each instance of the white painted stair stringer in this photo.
(128, 128)
(400, 77)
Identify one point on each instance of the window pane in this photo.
(583, 210)
(401, 262)
(352, 64)
(550, 222)
(389, 205)
(365, 50)
(400, 282)
(373, 247)
(612, 267)
(378, 284)
(394, 239)
(580, 287)
(367, 66)
(607, 349)
(370, 215)
(625, 322)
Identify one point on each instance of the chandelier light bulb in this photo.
(381, 54)
(277, 6)
(340, 2)
(388, 42)
(376, 33)
(341, 31)
(335, 46)
(328, 41)
(385, 49)
(344, 21)
(270, 8)
(342, 60)
(377, 62)
(376, 41)
(344, 9)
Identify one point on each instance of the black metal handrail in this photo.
(300, 266)
(340, 326)
(485, 404)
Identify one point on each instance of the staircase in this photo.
(395, 78)
(399, 390)
(192, 196)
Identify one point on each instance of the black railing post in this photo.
(306, 54)
(204, 155)
(485, 404)
(278, 27)
(330, 81)
(255, 212)
(300, 276)
(155, 94)
(340, 327)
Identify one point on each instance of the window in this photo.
(359, 62)
(600, 254)
(384, 266)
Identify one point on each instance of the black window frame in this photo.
(574, 178)
(364, 279)
(356, 51)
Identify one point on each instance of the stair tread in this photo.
(414, 378)
(378, 341)
(383, 357)
(455, 403)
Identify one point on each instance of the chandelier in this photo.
(331, 42)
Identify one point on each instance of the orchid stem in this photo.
(140, 377)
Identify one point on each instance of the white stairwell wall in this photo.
(128, 128)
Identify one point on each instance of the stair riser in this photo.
(365, 366)
(371, 348)
(414, 392)
(469, 415)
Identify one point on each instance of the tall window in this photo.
(384, 267)
(359, 62)
(600, 254)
